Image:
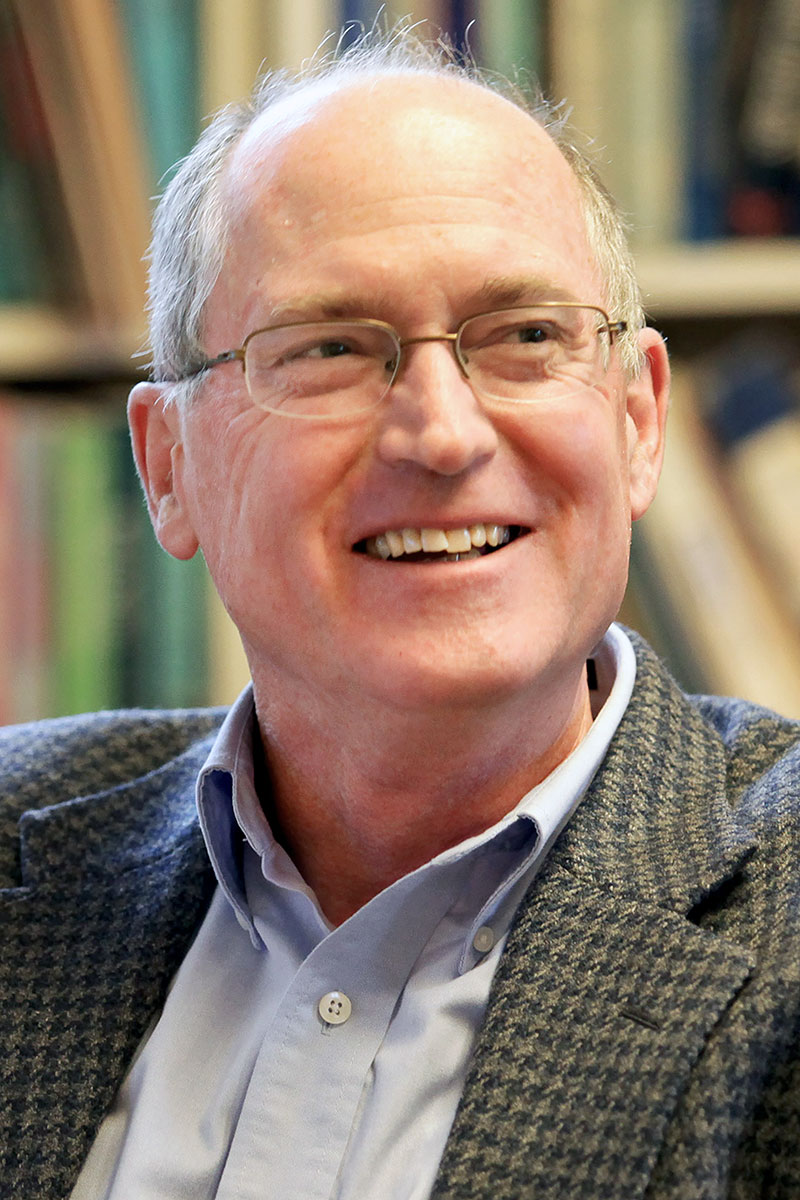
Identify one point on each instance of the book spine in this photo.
(708, 137)
(730, 623)
(510, 37)
(164, 52)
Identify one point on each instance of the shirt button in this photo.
(334, 1008)
(484, 939)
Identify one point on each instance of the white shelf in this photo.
(731, 278)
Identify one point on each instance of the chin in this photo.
(456, 682)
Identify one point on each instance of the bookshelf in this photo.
(104, 95)
(37, 342)
(732, 278)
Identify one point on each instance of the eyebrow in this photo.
(524, 289)
(326, 307)
(502, 291)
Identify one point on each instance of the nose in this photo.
(432, 417)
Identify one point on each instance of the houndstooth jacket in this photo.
(642, 1037)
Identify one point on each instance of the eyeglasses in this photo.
(322, 369)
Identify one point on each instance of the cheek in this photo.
(576, 456)
(263, 499)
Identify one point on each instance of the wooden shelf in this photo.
(730, 278)
(39, 344)
(715, 279)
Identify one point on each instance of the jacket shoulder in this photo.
(47, 762)
(757, 741)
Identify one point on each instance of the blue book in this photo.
(707, 127)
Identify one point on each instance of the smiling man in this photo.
(478, 903)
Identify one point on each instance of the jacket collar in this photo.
(606, 993)
(113, 887)
(656, 823)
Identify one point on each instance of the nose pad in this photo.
(432, 416)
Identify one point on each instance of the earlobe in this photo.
(158, 453)
(647, 404)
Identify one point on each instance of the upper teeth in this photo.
(396, 542)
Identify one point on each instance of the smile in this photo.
(439, 545)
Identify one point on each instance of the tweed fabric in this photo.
(643, 1034)
(105, 894)
(642, 1037)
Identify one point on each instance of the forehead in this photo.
(400, 157)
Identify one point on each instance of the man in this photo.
(495, 910)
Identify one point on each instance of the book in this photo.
(163, 43)
(753, 406)
(764, 193)
(86, 566)
(93, 613)
(578, 73)
(80, 63)
(235, 28)
(723, 610)
(647, 116)
(165, 635)
(9, 513)
(619, 69)
(707, 121)
(37, 253)
(509, 38)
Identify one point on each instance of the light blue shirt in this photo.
(296, 1060)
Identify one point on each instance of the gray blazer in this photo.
(642, 1037)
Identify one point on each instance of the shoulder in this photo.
(47, 762)
(762, 782)
(756, 741)
(751, 741)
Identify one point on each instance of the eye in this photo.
(507, 334)
(536, 333)
(530, 333)
(332, 349)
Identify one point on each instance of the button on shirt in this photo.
(293, 1059)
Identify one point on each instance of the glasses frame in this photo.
(611, 328)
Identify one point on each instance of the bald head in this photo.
(365, 160)
(413, 106)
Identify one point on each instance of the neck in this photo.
(359, 800)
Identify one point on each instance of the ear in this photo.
(155, 428)
(646, 418)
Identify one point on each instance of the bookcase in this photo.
(688, 108)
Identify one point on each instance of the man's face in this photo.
(420, 203)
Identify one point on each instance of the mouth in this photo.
(439, 545)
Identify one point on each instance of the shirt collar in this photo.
(230, 811)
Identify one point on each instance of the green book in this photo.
(510, 38)
(163, 40)
(85, 563)
(164, 607)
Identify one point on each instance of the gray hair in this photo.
(190, 226)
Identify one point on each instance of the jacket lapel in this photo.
(113, 887)
(606, 993)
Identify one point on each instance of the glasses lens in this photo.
(320, 370)
(531, 354)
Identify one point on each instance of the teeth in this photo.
(412, 542)
(396, 542)
(381, 543)
(458, 541)
(465, 542)
(433, 540)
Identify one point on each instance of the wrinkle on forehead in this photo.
(404, 120)
(421, 153)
